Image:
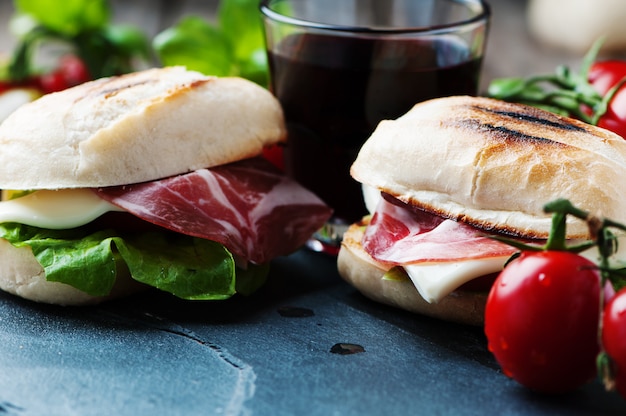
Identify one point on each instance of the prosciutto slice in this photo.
(400, 235)
(249, 207)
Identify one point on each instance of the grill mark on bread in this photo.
(112, 92)
(515, 135)
(535, 119)
(116, 89)
(450, 157)
(502, 133)
(503, 128)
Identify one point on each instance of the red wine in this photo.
(335, 90)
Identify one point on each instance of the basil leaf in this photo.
(69, 17)
(241, 24)
(197, 45)
(128, 40)
(233, 47)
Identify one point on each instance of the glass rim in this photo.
(483, 16)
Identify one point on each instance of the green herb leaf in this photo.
(197, 45)
(69, 17)
(563, 92)
(127, 40)
(82, 25)
(234, 46)
(241, 24)
(503, 88)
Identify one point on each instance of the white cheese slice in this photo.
(434, 281)
(59, 209)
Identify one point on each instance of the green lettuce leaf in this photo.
(160, 260)
(190, 268)
(396, 274)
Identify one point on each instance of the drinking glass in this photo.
(339, 67)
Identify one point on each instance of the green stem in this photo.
(566, 207)
(564, 92)
(590, 57)
(556, 239)
(601, 108)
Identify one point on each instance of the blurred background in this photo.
(527, 36)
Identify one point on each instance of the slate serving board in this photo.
(306, 344)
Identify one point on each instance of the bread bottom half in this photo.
(366, 274)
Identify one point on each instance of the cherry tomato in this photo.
(541, 320)
(5, 86)
(275, 155)
(70, 72)
(603, 75)
(30, 83)
(52, 82)
(614, 337)
(74, 70)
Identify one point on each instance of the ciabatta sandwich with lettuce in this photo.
(150, 179)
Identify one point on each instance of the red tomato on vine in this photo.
(541, 320)
(614, 339)
(603, 76)
(71, 72)
(595, 94)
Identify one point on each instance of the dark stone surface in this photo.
(268, 354)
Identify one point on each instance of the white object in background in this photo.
(11, 99)
(574, 25)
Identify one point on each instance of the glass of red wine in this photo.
(339, 67)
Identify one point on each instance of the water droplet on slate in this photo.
(346, 348)
(295, 312)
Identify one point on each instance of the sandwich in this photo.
(445, 178)
(149, 179)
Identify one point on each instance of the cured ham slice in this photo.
(400, 235)
(248, 206)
